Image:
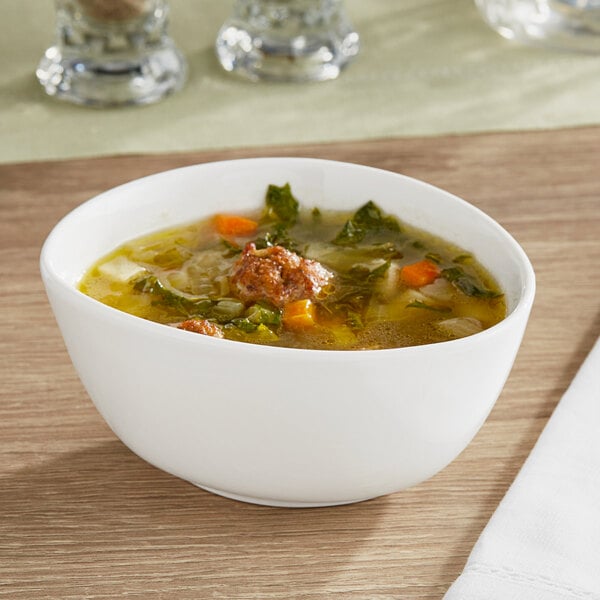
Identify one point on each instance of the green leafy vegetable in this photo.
(258, 314)
(351, 233)
(354, 320)
(355, 292)
(245, 325)
(222, 310)
(281, 204)
(361, 274)
(367, 219)
(462, 258)
(357, 273)
(467, 284)
(244, 330)
(186, 306)
(434, 257)
(261, 312)
(278, 236)
(370, 216)
(420, 304)
(379, 271)
(231, 249)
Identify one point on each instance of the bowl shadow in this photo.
(102, 518)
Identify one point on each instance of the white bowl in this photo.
(280, 426)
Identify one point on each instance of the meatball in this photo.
(201, 326)
(277, 275)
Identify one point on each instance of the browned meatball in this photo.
(277, 275)
(201, 326)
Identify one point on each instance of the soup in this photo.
(303, 278)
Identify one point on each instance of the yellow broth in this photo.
(185, 272)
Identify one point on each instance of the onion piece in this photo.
(441, 289)
(121, 269)
(461, 326)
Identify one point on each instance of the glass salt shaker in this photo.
(560, 24)
(111, 53)
(287, 40)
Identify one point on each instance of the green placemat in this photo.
(426, 67)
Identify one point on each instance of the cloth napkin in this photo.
(543, 541)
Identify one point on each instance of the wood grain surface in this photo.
(82, 517)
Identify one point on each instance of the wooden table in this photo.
(82, 517)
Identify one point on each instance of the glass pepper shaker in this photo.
(111, 52)
(287, 40)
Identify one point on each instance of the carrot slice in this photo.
(234, 225)
(300, 314)
(419, 274)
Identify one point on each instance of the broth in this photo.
(303, 278)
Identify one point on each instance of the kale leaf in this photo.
(281, 204)
(258, 314)
(278, 236)
(467, 284)
(351, 233)
(421, 304)
(367, 219)
(166, 297)
(231, 249)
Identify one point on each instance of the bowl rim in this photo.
(50, 276)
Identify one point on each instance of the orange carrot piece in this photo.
(300, 314)
(234, 225)
(419, 274)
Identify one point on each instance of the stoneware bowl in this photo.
(280, 426)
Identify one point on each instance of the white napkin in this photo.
(543, 541)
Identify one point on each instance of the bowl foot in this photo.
(274, 503)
